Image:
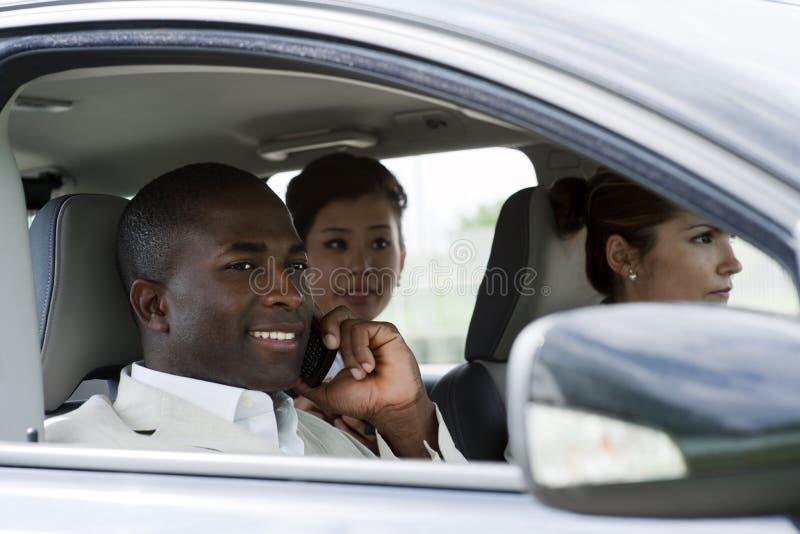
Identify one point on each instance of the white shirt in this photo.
(274, 422)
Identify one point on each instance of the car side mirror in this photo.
(659, 409)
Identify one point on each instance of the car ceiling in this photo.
(126, 125)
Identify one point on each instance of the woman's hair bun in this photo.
(568, 199)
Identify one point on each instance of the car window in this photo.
(763, 284)
(448, 237)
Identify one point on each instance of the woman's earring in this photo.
(632, 276)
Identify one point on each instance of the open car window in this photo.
(454, 199)
(763, 284)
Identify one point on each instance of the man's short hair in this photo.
(162, 211)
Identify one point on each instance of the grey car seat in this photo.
(86, 329)
(531, 272)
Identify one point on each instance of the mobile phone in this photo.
(318, 358)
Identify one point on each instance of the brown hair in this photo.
(608, 204)
(341, 176)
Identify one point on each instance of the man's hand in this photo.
(381, 383)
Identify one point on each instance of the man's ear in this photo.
(150, 305)
(620, 255)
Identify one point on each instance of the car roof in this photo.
(741, 57)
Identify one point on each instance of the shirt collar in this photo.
(218, 399)
(270, 417)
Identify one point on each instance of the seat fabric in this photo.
(474, 411)
(531, 272)
(86, 328)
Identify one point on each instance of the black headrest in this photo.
(531, 272)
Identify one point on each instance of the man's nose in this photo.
(285, 290)
(730, 264)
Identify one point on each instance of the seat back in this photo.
(531, 272)
(85, 322)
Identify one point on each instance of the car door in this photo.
(406, 52)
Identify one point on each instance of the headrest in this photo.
(85, 321)
(531, 272)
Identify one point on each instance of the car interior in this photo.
(85, 139)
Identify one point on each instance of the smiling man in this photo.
(220, 350)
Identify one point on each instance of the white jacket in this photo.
(143, 417)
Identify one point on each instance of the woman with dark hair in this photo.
(348, 210)
(640, 246)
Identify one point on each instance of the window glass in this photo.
(762, 284)
(454, 199)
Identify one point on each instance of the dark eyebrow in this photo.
(257, 247)
(713, 228)
(373, 227)
(246, 246)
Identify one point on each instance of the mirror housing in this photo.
(659, 409)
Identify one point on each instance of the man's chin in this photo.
(280, 380)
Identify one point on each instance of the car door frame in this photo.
(534, 97)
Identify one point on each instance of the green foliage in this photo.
(485, 216)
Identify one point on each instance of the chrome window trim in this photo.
(412, 473)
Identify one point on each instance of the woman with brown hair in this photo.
(640, 246)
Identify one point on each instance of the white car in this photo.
(696, 99)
